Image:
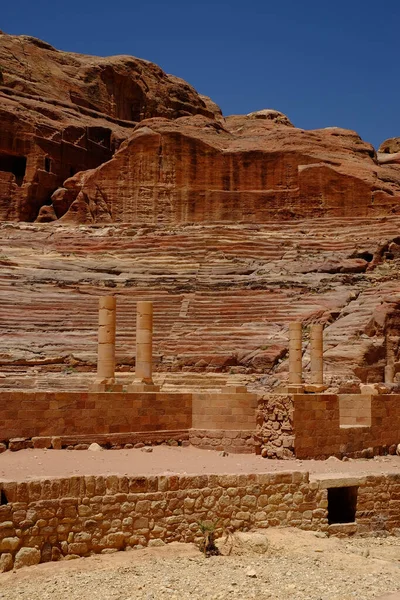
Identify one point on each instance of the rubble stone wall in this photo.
(49, 519)
(274, 434)
(229, 440)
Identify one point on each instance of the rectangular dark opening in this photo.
(342, 504)
(13, 164)
(47, 164)
(3, 498)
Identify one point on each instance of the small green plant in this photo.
(68, 369)
(207, 544)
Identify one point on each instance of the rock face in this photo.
(241, 169)
(223, 297)
(61, 113)
(233, 226)
(96, 140)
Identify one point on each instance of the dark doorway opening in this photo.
(342, 504)
(3, 498)
(13, 164)
(47, 164)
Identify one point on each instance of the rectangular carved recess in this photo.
(342, 504)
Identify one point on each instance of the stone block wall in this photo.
(354, 410)
(236, 411)
(50, 519)
(73, 419)
(319, 431)
(30, 414)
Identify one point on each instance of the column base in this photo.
(292, 388)
(315, 388)
(138, 388)
(106, 387)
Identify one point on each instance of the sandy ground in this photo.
(33, 464)
(297, 565)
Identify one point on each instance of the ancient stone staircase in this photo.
(220, 293)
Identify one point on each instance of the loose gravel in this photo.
(298, 565)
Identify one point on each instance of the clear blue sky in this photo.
(321, 62)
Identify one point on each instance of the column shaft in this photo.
(317, 348)
(295, 354)
(390, 359)
(144, 343)
(106, 339)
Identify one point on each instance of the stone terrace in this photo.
(223, 295)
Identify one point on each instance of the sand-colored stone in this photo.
(295, 354)
(317, 349)
(106, 344)
(143, 381)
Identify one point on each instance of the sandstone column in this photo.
(390, 359)
(106, 345)
(144, 350)
(295, 354)
(317, 348)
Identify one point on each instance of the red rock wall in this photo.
(188, 172)
(74, 110)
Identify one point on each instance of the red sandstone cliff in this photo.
(62, 112)
(241, 169)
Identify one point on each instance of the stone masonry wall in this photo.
(230, 440)
(274, 433)
(224, 421)
(224, 411)
(319, 432)
(322, 425)
(50, 519)
(31, 414)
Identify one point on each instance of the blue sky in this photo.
(323, 63)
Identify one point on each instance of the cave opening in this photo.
(3, 498)
(11, 163)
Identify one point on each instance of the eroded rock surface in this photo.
(250, 168)
(61, 113)
(223, 299)
(117, 140)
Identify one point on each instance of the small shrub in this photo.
(207, 544)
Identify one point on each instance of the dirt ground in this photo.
(33, 464)
(297, 565)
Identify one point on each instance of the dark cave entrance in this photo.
(10, 163)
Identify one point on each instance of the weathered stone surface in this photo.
(240, 169)
(223, 298)
(6, 562)
(27, 557)
(62, 113)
